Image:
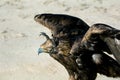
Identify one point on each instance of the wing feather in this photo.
(62, 25)
(114, 46)
(100, 37)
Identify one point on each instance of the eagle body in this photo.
(80, 48)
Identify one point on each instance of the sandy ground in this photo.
(19, 32)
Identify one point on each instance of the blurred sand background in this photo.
(19, 32)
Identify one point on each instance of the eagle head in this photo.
(47, 46)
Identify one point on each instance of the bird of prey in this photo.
(79, 48)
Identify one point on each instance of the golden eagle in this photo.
(79, 48)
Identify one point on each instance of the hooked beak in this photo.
(40, 50)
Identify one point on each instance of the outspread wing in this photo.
(62, 26)
(101, 37)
